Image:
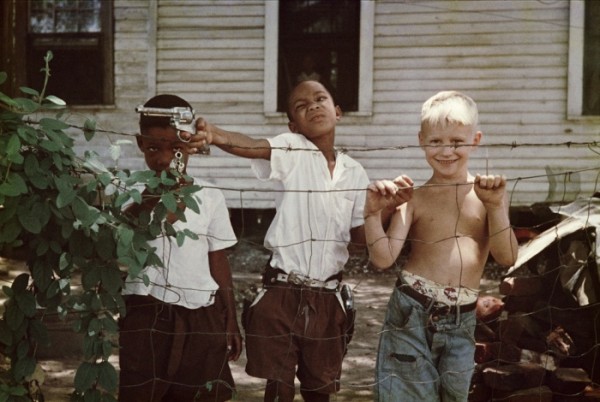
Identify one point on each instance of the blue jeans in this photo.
(421, 357)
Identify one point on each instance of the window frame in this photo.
(575, 73)
(15, 36)
(365, 67)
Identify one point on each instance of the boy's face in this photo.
(312, 110)
(447, 149)
(159, 145)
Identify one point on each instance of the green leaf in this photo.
(56, 100)
(85, 377)
(109, 324)
(7, 100)
(92, 395)
(28, 134)
(121, 199)
(10, 231)
(13, 186)
(39, 332)
(13, 146)
(66, 190)
(26, 105)
(31, 223)
(136, 196)
(111, 279)
(191, 203)
(20, 283)
(24, 367)
(180, 237)
(5, 334)
(50, 145)
(53, 124)
(26, 302)
(22, 349)
(170, 201)
(89, 129)
(29, 91)
(14, 316)
(108, 377)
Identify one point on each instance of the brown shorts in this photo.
(171, 353)
(297, 331)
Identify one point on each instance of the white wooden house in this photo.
(529, 64)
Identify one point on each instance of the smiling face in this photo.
(159, 145)
(311, 110)
(447, 150)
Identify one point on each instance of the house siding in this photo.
(510, 56)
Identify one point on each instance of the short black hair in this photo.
(161, 101)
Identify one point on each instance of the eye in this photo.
(321, 98)
(152, 148)
(299, 106)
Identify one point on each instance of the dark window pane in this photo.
(72, 30)
(64, 16)
(319, 39)
(591, 60)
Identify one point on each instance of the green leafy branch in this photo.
(67, 214)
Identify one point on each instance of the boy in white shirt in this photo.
(181, 330)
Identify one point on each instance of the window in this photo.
(318, 40)
(324, 39)
(584, 59)
(591, 59)
(79, 34)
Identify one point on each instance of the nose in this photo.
(447, 149)
(313, 106)
(163, 160)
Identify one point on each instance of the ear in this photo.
(140, 141)
(338, 113)
(477, 138)
(292, 127)
(421, 138)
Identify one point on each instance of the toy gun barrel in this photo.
(182, 118)
(182, 115)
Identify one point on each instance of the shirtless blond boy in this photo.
(452, 223)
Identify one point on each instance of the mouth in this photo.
(317, 117)
(446, 161)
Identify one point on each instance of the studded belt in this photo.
(431, 305)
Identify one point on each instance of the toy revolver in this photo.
(182, 119)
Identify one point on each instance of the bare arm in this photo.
(221, 273)
(491, 190)
(382, 197)
(235, 143)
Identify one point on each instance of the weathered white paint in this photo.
(515, 58)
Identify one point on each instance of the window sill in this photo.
(348, 117)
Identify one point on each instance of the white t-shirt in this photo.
(185, 279)
(311, 229)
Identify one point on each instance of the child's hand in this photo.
(204, 131)
(490, 189)
(388, 194)
(234, 346)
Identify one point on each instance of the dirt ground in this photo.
(358, 370)
(371, 291)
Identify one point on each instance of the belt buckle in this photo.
(295, 279)
(440, 308)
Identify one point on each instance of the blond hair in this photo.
(449, 108)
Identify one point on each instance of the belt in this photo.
(301, 280)
(273, 275)
(431, 305)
